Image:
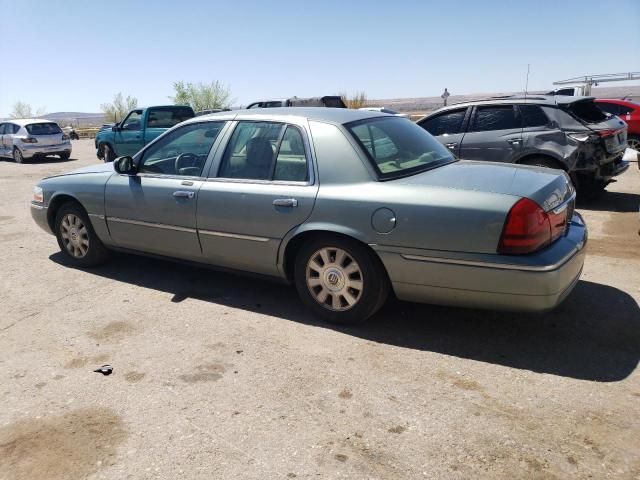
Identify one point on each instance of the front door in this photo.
(494, 135)
(128, 137)
(155, 210)
(264, 188)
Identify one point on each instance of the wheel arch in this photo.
(560, 164)
(56, 202)
(295, 239)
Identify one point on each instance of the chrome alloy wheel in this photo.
(74, 235)
(334, 279)
(633, 143)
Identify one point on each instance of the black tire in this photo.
(108, 155)
(95, 253)
(74, 136)
(65, 156)
(373, 278)
(17, 155)
(541, 162)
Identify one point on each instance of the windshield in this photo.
(43, 129)
(398, 147)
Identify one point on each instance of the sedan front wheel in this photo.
(76, 237)
(340, 280)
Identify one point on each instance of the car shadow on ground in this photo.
(612, 202)
(594, 335)
(40, 160)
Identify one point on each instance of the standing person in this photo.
(445, 96)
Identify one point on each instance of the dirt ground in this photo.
(221, 376)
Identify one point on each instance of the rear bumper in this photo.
(535, 283)
(30, 151)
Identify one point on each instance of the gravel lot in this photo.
(221, 376)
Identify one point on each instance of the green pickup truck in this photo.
(137, 129)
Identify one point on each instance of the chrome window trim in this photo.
(308, 153)
(150, 224)
(234, 235)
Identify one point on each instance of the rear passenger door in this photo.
(447, 128)
(536, 129)
(260, 187)
(494, 134)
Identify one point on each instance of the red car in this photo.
(627, 111)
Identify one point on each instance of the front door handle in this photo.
(451, 146)
(515, 141)
(285, 202)
(183, 194)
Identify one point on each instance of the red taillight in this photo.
(29, 140)
(527, 229)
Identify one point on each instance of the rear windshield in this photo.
(586, 111)
(168, 117)
(397, 147)
(43, 129)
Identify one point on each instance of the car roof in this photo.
(28, 121)
(522, 99)
(550, 100)
(337, 116)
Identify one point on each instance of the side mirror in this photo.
(115, 128)
(125, 166)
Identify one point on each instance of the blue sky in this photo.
(75, 55)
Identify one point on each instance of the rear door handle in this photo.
(285, 202)
(183, 194)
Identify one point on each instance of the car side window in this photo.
(291, 162)
(448, 123)
(251, 151)
(495, 117)
(133, 121)
(533, 116)
(2, 128)
(181, 152)
(13, 126)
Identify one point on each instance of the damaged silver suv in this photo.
(567, 133)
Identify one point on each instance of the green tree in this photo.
(357, 100)
(23, 110)
(118, 109)
(202, 96)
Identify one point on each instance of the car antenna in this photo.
(526, 85)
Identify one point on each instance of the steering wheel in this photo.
(185, 160)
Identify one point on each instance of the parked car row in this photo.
(347, 205)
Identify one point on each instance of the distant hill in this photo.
(76, 118)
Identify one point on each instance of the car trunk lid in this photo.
(546, 186)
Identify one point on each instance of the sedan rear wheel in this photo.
(76, 236)
(340, 280)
